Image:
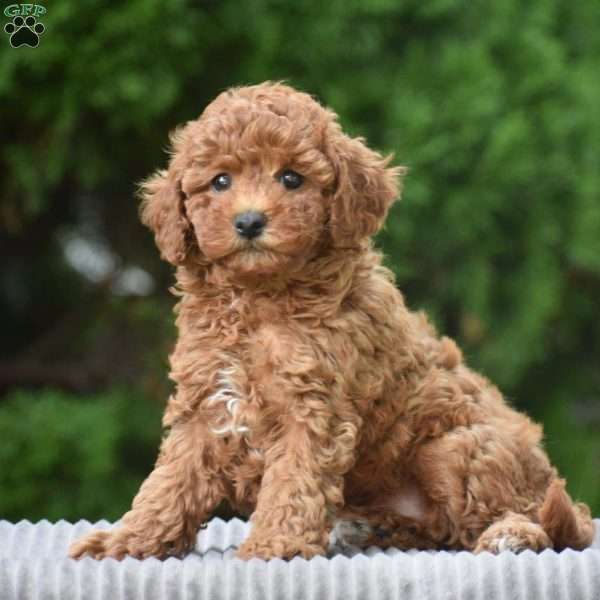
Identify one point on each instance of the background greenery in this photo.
(492, 105)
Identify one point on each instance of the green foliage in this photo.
(67, 458)
(575, 450)
(493, 106)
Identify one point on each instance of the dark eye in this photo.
(290, 179)
(221, 182)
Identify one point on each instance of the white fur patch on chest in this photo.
(228, 393)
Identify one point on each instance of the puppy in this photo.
(307, 394)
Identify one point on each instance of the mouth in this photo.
(249, 247)
(265, 254)
(256, 247)
(248, 250)
(256, 259)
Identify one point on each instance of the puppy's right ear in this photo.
(162, 210)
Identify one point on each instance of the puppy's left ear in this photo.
(365, 189)
(162, 208)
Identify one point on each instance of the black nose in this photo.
(250, 224)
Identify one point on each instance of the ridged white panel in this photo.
(34, 566)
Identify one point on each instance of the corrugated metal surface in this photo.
(33, 565)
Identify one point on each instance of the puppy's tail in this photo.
(568, 524)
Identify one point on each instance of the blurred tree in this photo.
(63, 457)
(493, 106)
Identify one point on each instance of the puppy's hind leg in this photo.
(486, 484)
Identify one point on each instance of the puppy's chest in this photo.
(243, 358)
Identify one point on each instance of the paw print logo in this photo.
(24, 32)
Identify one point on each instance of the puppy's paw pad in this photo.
(504, 543)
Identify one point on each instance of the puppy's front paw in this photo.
(117, 544)
(98, 545)
(279, 546)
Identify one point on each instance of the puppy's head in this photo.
(264, 181)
